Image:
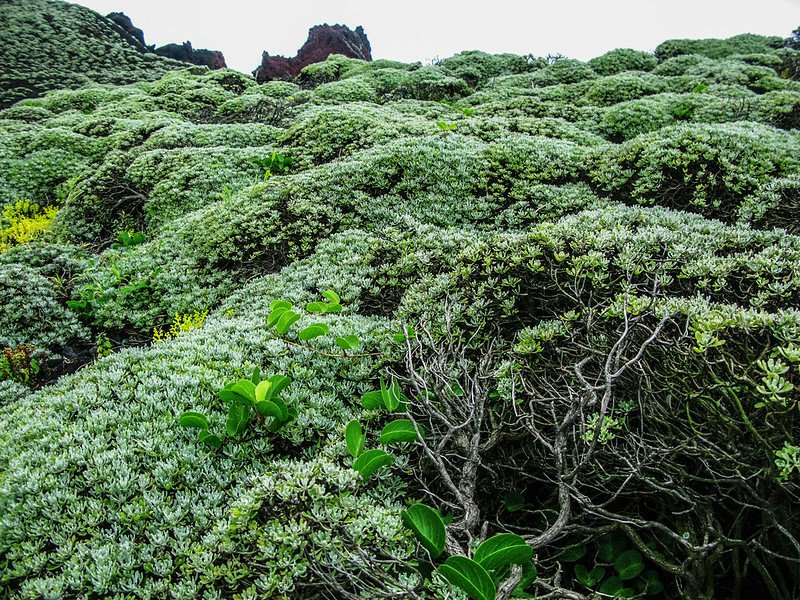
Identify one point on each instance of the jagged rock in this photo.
(213, 59)
(323, 40)
(127, 25)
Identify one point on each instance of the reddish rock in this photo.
(323, 40)
(213, 59)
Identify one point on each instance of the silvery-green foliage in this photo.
(623, 59)
(32, 313)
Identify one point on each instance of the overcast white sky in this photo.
(420, 30)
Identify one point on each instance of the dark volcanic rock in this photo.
(213, 59)
(323, 40)
(125, 22)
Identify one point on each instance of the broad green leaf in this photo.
(313, 331)
(229, 395)
(279, 383)
(286, 320)
(275, 304)
(428, 527)
(261, 391)
(237, 419)
(610, 546)
(372, 460)
(587, 577)
(333, 308)
(466, 574)
(277, 313)
(210, 439)
(391, 399)
(399, 431)
(331, 296)
(502, 550)
(629, 564)
(273, 408)
(614, 586)
(349, 342)
(372, 400)
(193, 419)
(355, 438)
(317, 307)
(277, 425)
(573, 554)
(652, 583)
(256, 376)
(245, 389)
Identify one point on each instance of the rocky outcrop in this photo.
(213, 59)
(323, 40)
(127, 26)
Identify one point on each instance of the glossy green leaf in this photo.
(349, 342)
(372, 400)
(372, 460)
(355, 438)
(652, 583)
(629, 564)
(331, 296)
(193, 419)
(273, 408)
(210, 439)
(256, 376)
(610, 546)
(573, 554)
(237, 419)
(502, 550)
(428, 527)
(276, 304)
(469, 576)
(279, 383)
(245, 389)
(391, 395)
(277, 424)
(262, 389)
(286, 320)
(313, 331)
(587, 577)
(529, 575)
(399, 431)
(317, 307)
(615, 587)
(333, 308)
(277, 313)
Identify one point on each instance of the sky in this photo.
(423, 30)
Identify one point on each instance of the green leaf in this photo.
(193, 419)
(275, 304)
(349, 342)
(469, 576)
(502, 550)
(355, 438)
(273, 408)
(391, 395)
(652, 583)
(428, 527)
(333, 308)
(573, 554)
(614, 586)
(610, 546)
(255, 378)
(372, 400)
(587, 577)
(399, 431)
(279, 383)
(245, 389)
(331, 296)
(237, 419)
(372, 460)
(262, 389)
(276, 314)
(277, 425)
(210, 439)
(629, 564)
(317, 307)
(313, 331)
(286, 320)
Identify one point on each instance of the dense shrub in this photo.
(713, 48)
(477, 68)
(623, 59)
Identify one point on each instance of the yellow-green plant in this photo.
(24, 221)
(180, 324)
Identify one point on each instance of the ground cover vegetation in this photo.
(494, 327)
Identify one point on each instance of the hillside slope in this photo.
(600, 265)
(49, 44)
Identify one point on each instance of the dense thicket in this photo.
(599, 260)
